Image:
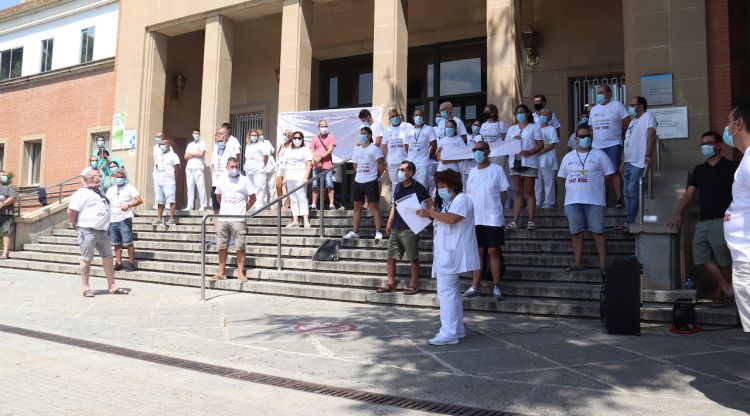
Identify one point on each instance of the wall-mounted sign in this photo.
(118, 126)
(673, 122)
(657, 89)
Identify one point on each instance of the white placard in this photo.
(407, 207)
(501, 148)
(343, 123)
(672, 122)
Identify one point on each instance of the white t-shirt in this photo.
(93, 211)
(234, 195)
(446, 142)
(492, 133)
(737, 217)
(606, 122)
(271, 165)
(254, 154)
(233, 146)
(548, 160)
(366, 159)
(296, 162)
(485, 186)
(119, 196)
(584, 177)
(156, 152)
(395, 137)
(419, 144)
(219, 160)
(554, 122)
(196, 162)
(165, 164)
(460, 127)
(529, 135)
(636, 139)
(455, 245)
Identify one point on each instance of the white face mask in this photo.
(324, 130)
(3, 179)
(297, 142)
(233, 172)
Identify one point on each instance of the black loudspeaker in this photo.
(620, 307)
(683, 315)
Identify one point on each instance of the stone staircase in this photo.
(535, 283)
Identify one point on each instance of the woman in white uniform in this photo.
(298, 167)
(256, 159)
(270, 169)
(451, 139)
(544, 189)
(455, 252)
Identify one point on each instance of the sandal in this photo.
(119, 291)
(217, 277)
(88, 293)
(411, 291)
(574, 268)
(386, 289)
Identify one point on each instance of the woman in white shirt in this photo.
(256, 159)
(455, 252)
(545, 184)
(369, 165)
(297, 170)
(270, 169)
(524, 165)
(451, 139)
(283, 144)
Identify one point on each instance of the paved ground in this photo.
(529, 365)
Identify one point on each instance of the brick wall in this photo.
(63, 109)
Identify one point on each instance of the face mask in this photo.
(418, 120)
(708, 150)
(120, 181)
(113, 170)
(487, 115)
(94, 165)
(479, 156)
(157, 140)
(438, 120)
(395, 121)
(163, 148)
(196, 137)
(297, 142)
(401, 176)
(253, 139)
(261, 137)
(366, 123)
(450, 131)
(631, 111)
(584, 142)
(521, 117)
(100, 144)
(543, 119)
(233, 172)
(475, 129)
(600, 98)
(444, 194)
(324, 130)
(583, 121)
(284, 139)
(363, 138)
(538, 107)
(444, 114)
(4, 179)
(221, 145)
(728, 138)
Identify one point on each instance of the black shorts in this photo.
(490, 237)
(214, 203)
(371, 190)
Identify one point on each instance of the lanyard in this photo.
(583, 162)
(448, 206)
(418, 132)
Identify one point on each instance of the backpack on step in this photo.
(328, 251)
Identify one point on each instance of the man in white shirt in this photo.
(194, 169)
(236, 194)
(377, 129)
(88, 212)
(233, 144)
(393, 144)
(609, 119)
(584, 170)
(93, 165)
(421, 146)
(219, 158)
(122, 198)
(156, 152)
(737, 217)
(167, 166)
(446, 113)
(540, 102)
(640, 141)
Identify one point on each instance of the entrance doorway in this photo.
(244, 123)
(583, 92)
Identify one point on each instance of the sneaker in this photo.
(438, 340)
(619, 204)
(511, 226)
(351, 235)
(131, 267)
(313, 207)
(171, 222)
(472, 292)
(462, 335)
(530, 226)
(118, 267)
(547, 206)
(158, 221)
(497, 294)
(378, 236)
(4, 256)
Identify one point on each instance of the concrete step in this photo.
(703, 314)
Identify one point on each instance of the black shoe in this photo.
(131, 267)
(118, 267)
(620, 204)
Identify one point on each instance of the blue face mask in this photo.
(401, 176)
(521, 117)
(94, 165)
(583, 121)
(631, 111)
(121, 181)
(363, 138)
(197, 137)
(708, 150)
(100, 144)
(221, 145)
(418, 120)
(365, 123)
(438, 120)
(600, 98)
(543, 119)
(479, 156)
(728, 138)
(444, 114)
(157, 140)
(261, 137)
(450, 131)
(395, 120)
(163, 148)
(444, 194)
(475, 129)
(584, 142)
(253, 139)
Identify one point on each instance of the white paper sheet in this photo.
(407, 207)
(501, 148)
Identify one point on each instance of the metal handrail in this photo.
(59, 192)
(253, 214)
(649, 173)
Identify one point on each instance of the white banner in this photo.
(501, 148)
(343, 123)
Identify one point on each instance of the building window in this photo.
(348, 82)
(47, 55)
(11, 62)
(87, 45)
(94, 137)
(34, 154)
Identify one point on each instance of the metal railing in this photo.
(649, 175)
(59, 191)
(254, 214)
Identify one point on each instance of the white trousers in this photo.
(451, 307)
(545, 183)
(270, 186)
(259, 181)
(431, 172)
(155, 178)
(741, 284)
(422, 175)
(195, 179)
(298, 199)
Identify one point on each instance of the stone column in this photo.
(503, 56)
(296, 56)
(216, 92)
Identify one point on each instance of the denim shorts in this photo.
(615, 155)
(121, 232)
(328, 179)
(165, 194)
(582, 217)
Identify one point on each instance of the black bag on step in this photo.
(328, 251)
